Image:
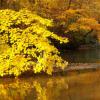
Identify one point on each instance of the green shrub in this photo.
(26, 40)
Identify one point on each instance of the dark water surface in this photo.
(84, 86)
(82, 56)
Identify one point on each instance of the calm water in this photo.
(82, 56)
(84, 86)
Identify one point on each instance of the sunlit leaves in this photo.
(29, 48)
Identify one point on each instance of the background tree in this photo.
(57, 8)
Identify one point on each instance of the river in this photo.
(82, 56)
(84, 86)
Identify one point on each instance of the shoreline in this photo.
(71, 69)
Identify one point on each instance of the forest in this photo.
(32, 33)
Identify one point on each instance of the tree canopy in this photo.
(26, 38)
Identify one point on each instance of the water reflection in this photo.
(30, 89)
(84, 86)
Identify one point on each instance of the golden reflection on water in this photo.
(84, 86)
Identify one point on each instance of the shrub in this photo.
(26, 39)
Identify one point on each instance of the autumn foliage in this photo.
(25, 37)
(77, 24)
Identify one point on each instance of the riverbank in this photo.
(72, 68)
